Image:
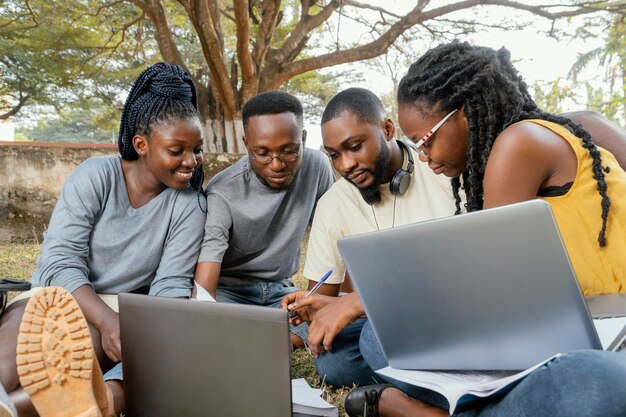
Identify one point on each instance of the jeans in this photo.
(6, 405)
(354, 356)
(263, 293)
(580, 383)
(344, 364)
(114, 373)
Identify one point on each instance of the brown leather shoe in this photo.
(55, 358)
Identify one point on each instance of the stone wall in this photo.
(31, 176)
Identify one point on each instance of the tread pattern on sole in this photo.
(54, 343)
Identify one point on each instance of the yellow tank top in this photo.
(578, 214)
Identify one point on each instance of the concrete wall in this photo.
(31, 176)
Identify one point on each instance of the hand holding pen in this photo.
(293, 313)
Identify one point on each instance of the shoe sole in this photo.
(55, 356)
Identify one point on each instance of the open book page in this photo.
(454, 385)
(611, 332)
(307, 401)
(202, 294)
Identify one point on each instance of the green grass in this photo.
(17, 260)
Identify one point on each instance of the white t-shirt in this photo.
(343, 212)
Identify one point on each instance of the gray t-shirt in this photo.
(96, 237)
(255, 231)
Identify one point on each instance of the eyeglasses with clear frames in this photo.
(417, 146)
(268, 158)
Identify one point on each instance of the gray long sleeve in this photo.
(95, 237)
(255, 231)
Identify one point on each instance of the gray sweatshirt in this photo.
(255, 231)
(96, 237)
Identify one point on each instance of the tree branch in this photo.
(305, 25)
(30, 13)
(248, 70)
(280, 74)
(371, 7)
(201, 14)
(16, 108)
(155, 10)
(271, 12)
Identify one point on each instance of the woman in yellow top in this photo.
(505, 150)
(469, 115)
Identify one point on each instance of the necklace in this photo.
(393, 219)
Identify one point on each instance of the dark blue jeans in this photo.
(580, 383)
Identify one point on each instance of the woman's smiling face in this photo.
(173, 152)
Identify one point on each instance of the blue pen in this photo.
(315, 288)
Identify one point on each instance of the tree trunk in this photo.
(624, 93)
(224, 136)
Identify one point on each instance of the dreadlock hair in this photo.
(162, 94)
(484, 82)
(272, 102)
(364, 104)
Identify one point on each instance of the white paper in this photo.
(609, 329)
(308, 401)
(202, 294)
(455, 384)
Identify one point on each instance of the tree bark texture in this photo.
(261, 63)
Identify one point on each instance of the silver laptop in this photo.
(192, 358)
(492, 289)
(607, 305)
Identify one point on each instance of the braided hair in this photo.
(163, 93)
(493, 95)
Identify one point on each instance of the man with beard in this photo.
(358, 137)
(383, 185)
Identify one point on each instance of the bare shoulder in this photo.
(527, 140)
(525, 157)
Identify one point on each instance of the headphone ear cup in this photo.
(400, 182)
(402, 178)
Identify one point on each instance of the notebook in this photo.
(487, 290)
(191, 358)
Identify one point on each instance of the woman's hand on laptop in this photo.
(103, 318)
(111, 337)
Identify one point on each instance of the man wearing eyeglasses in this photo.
(259, 208)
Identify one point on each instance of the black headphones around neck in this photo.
(402, 178)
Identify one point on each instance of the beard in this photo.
(371, 193)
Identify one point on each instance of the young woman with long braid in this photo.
(471, 118)
(505, 150)
(128, 223)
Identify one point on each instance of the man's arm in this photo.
(322, 253)
(604, 133)
(326, 289)
(207, 276)
(214, 244)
